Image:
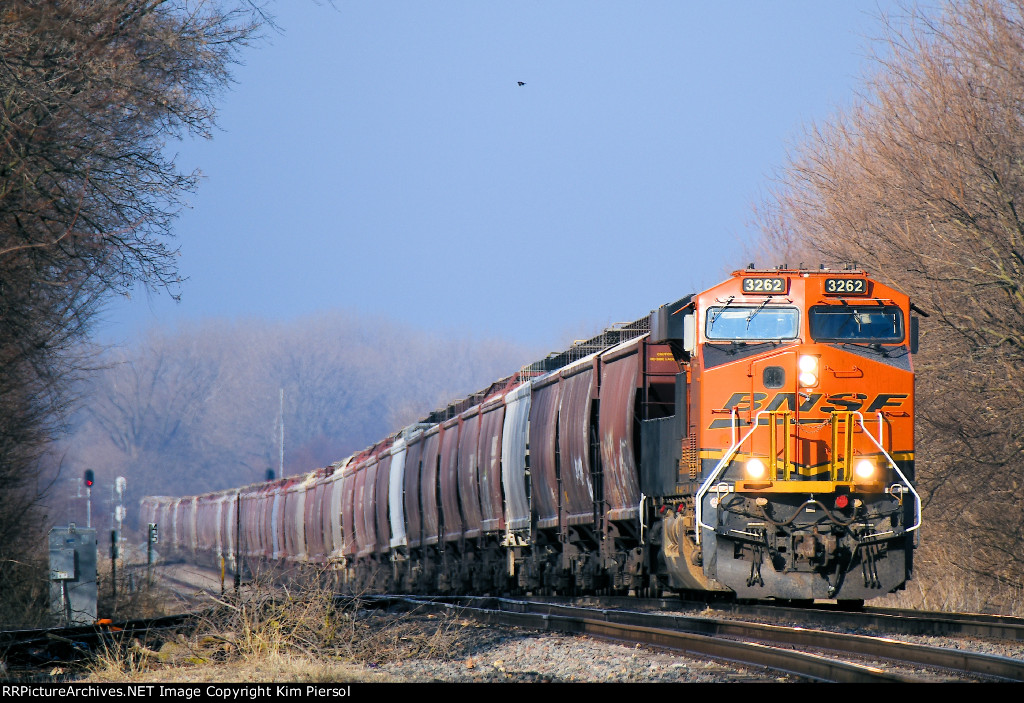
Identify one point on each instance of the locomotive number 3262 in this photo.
(854, 286)
(764, 285)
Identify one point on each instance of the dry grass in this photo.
(135, 597)
(282, 668)
(24, 592)
(283, 633)
(944, 581)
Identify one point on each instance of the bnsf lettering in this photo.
(790, 401)
(741, 401)
(887, 400)
(848, 402)
(842, 402)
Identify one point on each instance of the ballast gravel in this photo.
(544, 657)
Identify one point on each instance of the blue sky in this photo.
(380, 157)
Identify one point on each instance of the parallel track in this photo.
(37, 647)
(907, 622)
(809, 653)
(752, 644)
(894, 621)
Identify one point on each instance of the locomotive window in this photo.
(751, 324)
(773, 377)
(856, 323)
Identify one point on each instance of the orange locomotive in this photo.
(800, 442)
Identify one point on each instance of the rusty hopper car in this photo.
(757, 437)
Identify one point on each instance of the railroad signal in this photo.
(89, 480)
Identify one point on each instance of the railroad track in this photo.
(801, 652)
(813, 654)
(891, 620)
(623, 612)
(895, 621)
(32, 648)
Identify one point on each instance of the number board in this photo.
(846, 286)
(764, 286)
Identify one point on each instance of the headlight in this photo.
(864, 469)
(808, 366)
(755, 468)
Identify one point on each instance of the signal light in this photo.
(89, 478)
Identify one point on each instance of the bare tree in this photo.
(922, 182)
(198, 410)
(89, 94)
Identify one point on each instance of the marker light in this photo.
(808, 366)
(755, 468)
(864, 469)
(842, 501)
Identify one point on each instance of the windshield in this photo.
(845, 323)
(751, 324)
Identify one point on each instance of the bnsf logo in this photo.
(844, 402)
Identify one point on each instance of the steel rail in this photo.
(751, 654)
(892, 620)
(974, 624)
(77, 642)
(965, 662)
(1003, 668)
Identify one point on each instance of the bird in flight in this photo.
(520, 83)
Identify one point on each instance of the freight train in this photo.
(756, 438)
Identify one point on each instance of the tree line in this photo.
(921, 181)
(90, 93)
(200, 409)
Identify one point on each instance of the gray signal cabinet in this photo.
(73, 574)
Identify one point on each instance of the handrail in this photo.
(722, 463)
(705, 487)
(892, 463)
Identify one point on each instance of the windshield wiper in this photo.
(721, 309)
(757, 310)
(876, 347)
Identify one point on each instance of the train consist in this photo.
(757, 437)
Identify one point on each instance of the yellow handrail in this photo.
(841, 468)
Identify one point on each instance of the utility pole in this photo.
(120, 484)
(280, 468)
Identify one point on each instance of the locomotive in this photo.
(754, 438)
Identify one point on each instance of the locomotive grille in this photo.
(689, 458)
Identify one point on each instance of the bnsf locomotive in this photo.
(757, 437)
